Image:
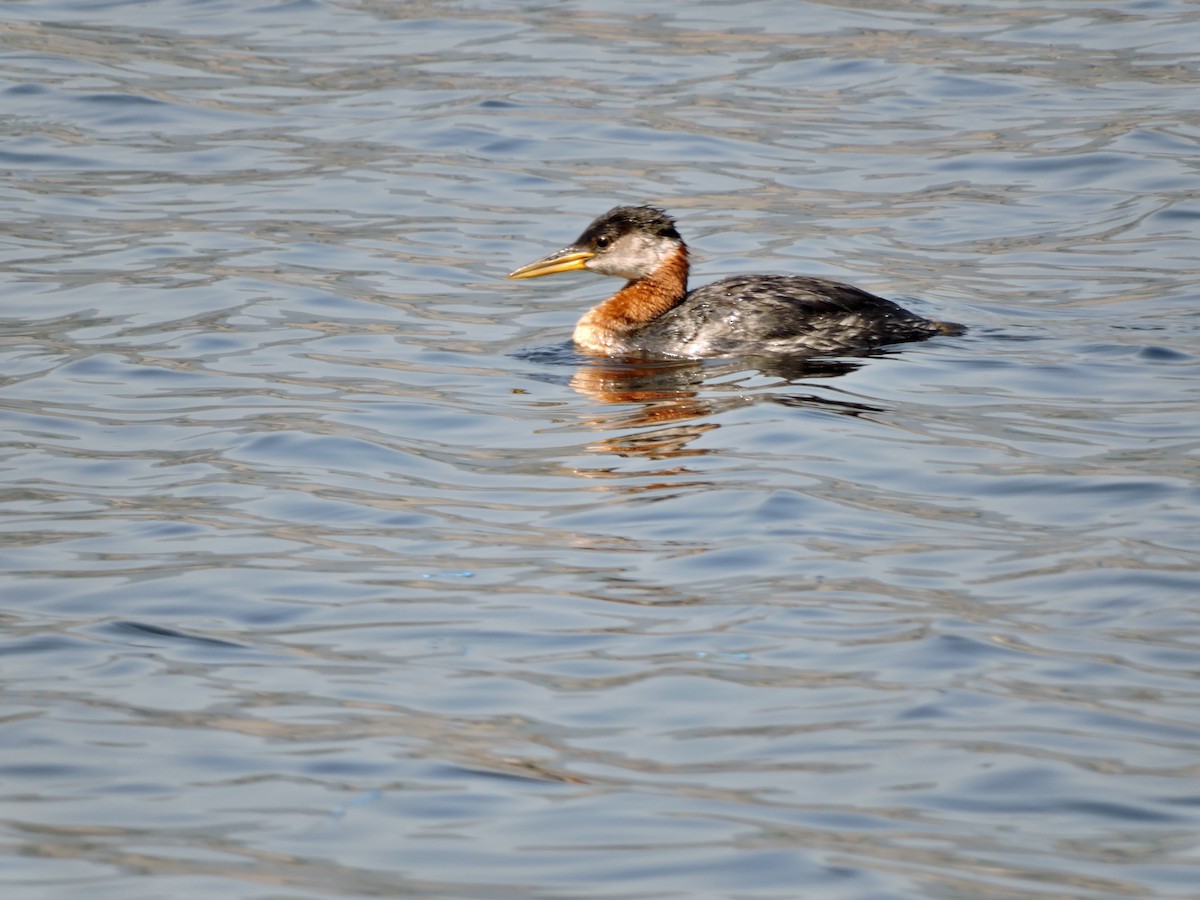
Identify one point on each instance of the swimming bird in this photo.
(655, 315)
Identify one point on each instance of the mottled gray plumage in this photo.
(774, 314)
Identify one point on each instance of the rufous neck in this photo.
(646, 299)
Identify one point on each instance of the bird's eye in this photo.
(603, 241)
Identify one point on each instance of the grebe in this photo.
(654, 313)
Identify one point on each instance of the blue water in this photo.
(328, 569)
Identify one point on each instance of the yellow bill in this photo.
(566, 260)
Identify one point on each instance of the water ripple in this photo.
(329, 564)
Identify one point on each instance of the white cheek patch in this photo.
(633, 256)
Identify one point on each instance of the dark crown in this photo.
(625, 219)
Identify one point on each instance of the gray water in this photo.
(330, 570)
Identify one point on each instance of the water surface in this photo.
(330, 570)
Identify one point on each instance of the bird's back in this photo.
(773, 314)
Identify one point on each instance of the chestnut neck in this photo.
(604, 327)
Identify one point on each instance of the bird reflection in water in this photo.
(687, 394)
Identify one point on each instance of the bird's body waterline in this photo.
(654, 314)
